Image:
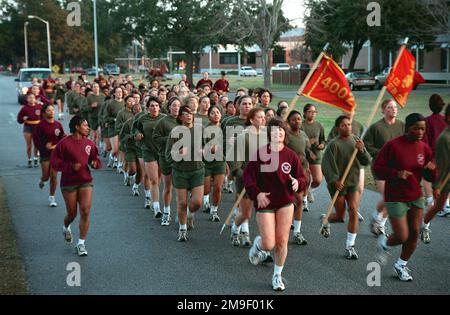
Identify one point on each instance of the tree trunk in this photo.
(356, 50)
(190, 66)
(266, 67)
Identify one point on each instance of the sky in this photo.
(294, 10)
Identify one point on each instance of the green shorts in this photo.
(122, 147)
(166, 167)
(347, 190)
(44, 159)
(215, 170)
(131, 156)
(139, 153)
(112, 132)
(398, 210)
(93, 123)
(275, 210)
(188, 180)
(318, 161)
(76, 188)
(149, 156)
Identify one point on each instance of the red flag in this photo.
(328, 85)
(400, 81)
(418, 79)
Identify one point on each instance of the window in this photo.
(228, 58)
(444, 59)
(251, 58)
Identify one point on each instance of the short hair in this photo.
(436, 103)
(386, 103)
(211, 109)
(173, 99)
(74, 122)
(307, 108)
(152, 99)
(252, 114)
(183, 109)
(44, 108)
(127, 98)
(292, 113)
(262, 91)
(339, 120)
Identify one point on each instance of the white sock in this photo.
(277, 270)
(351, 238)
(148, 194)
(136, 186)
(81, 242)
(183, 227)
(236, 228)
(245, 227)
(214, 209)
(297, 226)
(383, 221)
(258, 244)
(378, 216)
(167, 210)
(401, 262)
(230, 183)
(430, 201)
(206, 200)
(426, 226)
(156, 207)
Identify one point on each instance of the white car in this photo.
(280, 66)
(248, 72)
(25, 77)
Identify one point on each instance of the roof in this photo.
(296, 32)
(34, 69)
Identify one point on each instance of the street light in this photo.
(26, 42)
(48, 39)
(95, 38)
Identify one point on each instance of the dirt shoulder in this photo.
(12, 271)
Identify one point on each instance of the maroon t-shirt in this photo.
(261, 176)
(222, 85)
(45, 133)
(33, 115)
(70, 151)
(204, 82)
(401, 154)
(435, 126)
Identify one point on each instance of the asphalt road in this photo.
(130, 253)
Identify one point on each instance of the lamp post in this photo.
(48, 39)
(95, 38)
(26, 42)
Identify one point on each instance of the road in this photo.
(130, 253)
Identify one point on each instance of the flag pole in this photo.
(355, 152)
(291, 107)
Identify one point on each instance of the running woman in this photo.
(72, 157)
(377, 136)
(30, 115)
(46, 136)
(215, 165)
(442, 155)
(60, 91)
(245, 147)
(188, 168)
(203, 109)
(403, 194)
(160, 135)
(316, 134)
(144, 134)
(110, 113)
(265, 97)
(335, 161)
(272, 189)
(94, 103)
(299, 143)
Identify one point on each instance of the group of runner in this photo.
(202, 143)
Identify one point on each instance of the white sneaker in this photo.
(81, 250)
(403, 273)
(255, 255)
(68, 236)
(325, 229)
(360, 217)
(135, 191)
(166, 220)
(382, 255)
(444, 213)
(52, 202)
(311, 197)
(148, 203)
(376, 227)
(278, 283)
(425, 235)
(214, 217)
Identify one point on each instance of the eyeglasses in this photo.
(312, 111)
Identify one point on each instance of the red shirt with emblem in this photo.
(261, 176)
(402, 154)
(30, 115)
(45, 133)
(70, 151)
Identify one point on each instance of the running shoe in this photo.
(52, 202)
(255, 255)
(30, 163)
(206, 208)
(311, 197)
(305, 205)
(444, 213)
(376, 227)
(403, 273)
(41, 185)
(166, 219)
(425, 235)
(214, 217)
(234, 237)
(244, 239)
(135, 191)
(299, 239)
(148, 203)
(350, 254)
(81, 250)
(36, 162)
(110, 161)
(68, 236)
(158, 214)
(182, 236)
(278, 283)
(115, 164)
(230, 189)
(325, 228)
(382, 254)
(360, 217)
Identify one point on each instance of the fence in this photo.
(289, 77)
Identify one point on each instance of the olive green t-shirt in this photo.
(193, 160)
(357, 130)
(380, 133)
(146, 125)
(442, 159)
(162, 132)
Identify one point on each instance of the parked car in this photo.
(302, 66)
(359, 80)
(91, 71)
(111, 69)
(248, 72)
(280, 66)
(381, 78)
(79, 70)
(25, 77)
